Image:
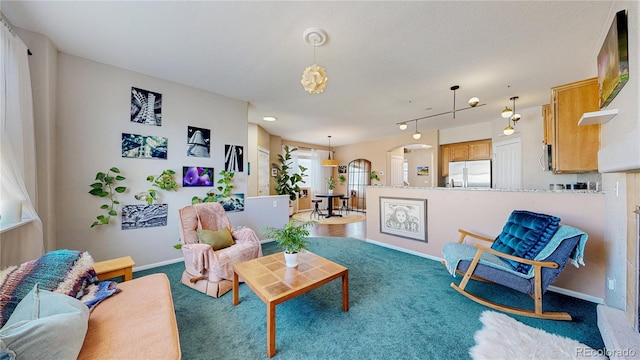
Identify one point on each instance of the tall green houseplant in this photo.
(287, 181)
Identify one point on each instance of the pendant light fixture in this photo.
(511, 115)
(473, 102)
(330, 162)
(314, 77)
(417, 135)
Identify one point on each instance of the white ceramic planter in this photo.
(291, 259)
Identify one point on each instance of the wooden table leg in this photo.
(345, 291)
(271, 329)
(235, 289)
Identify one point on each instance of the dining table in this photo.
(330, 205)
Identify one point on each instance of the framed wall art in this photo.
(197, 176)
(146, 107)
(613, 60)
(233, 158)
(404, 217)
(144, 147)
(198, 141)
(144, 216)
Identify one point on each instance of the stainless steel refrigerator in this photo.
(468, 174)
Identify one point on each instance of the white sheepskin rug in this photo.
(503, 337)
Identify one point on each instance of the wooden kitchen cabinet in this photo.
(459, 152)
(574, 148)
(469, 150)
(547, 123)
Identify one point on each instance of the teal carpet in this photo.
(401, 307)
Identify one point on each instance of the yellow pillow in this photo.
(217, 239)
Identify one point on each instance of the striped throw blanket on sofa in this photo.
(67, 272)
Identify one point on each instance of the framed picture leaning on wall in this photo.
(404, 217)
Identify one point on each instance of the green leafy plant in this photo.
(105, 187)
(342, 178)
(374, 175)
(331, 183)
(225, 183)
(292, 237)
(163, 181)
(287, 182)
(210, 197)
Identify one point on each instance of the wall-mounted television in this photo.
(613, 60)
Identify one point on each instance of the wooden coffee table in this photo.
(275, 283)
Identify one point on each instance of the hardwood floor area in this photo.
(356, 230)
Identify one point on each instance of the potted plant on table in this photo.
(292, 238)
(331, 184)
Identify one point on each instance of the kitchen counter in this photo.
(490, 189)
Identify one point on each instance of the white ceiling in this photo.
(386, 61)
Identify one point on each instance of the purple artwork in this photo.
(197, 176)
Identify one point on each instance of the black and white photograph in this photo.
(233, 203)
(233, 158)
(144, 216)
(198, 142)
(404, 217)
(146, 107)
(144, 147)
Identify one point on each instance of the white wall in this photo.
(93, 106)
(620, 151)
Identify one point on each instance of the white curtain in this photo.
(18, 157)
(319, 174)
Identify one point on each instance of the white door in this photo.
(507, 164)
(397, 171)
(264, 172)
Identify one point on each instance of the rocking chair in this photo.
(527, 256)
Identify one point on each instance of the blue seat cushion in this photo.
(524, 235)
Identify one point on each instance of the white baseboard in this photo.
(575, 294)
(154, 265)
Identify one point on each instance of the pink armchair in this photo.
(206, 270)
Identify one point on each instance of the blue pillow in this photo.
(524, 235)
(45, 325)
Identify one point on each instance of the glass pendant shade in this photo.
(403, 126)
(509, 130)
(417, 135)
(474, 101)
(506, 113)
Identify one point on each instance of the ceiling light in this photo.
(417, 135)
(510, 115)
(314, 77)
(269, 118)
(329, 162)
(508, 130)
(506, 113)
(403, 126)
(473, 102)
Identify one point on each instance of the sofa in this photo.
(54, 307)
(137, 323)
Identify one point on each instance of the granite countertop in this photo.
(492, 189)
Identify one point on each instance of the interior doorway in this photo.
(263, 172)
(358, 174)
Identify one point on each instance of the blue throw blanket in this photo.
(67, 272)
(455, 252)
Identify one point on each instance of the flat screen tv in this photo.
(613, 60)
